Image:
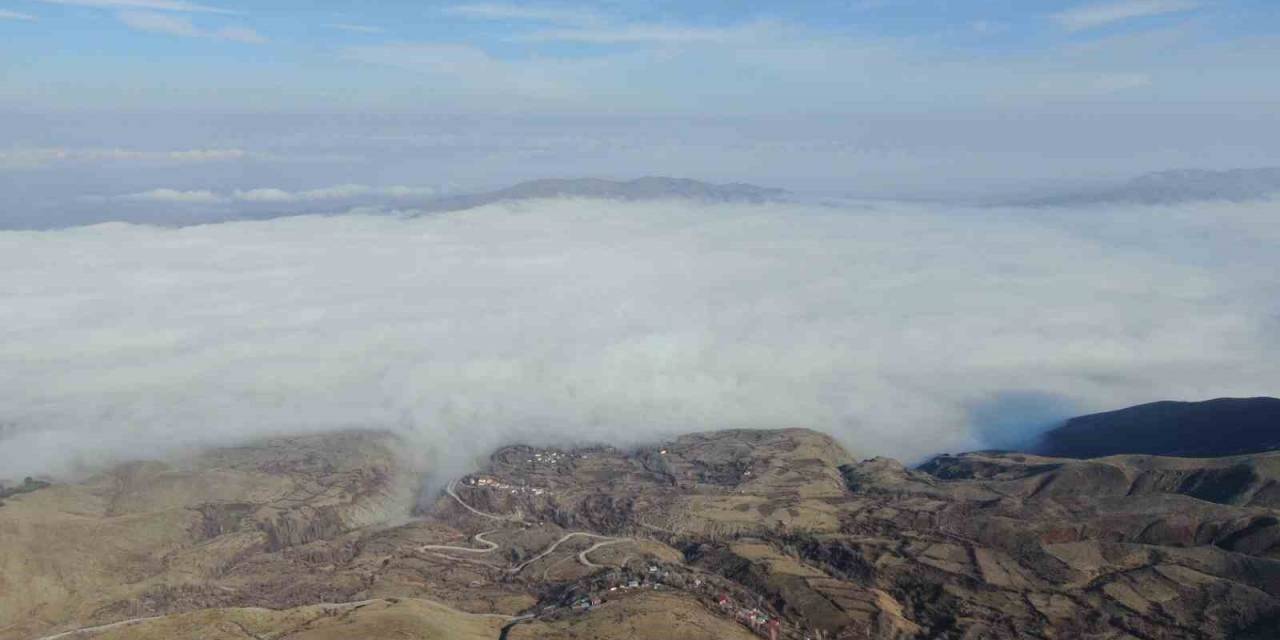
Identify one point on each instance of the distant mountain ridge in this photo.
(647, 188)
(1177, 186)
(1221, 427)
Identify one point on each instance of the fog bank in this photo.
(904, 330)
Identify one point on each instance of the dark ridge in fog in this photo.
(211, 206)
(647, 188)
(1221, 427)
(1173, 187)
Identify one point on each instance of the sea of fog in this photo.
(902, 329)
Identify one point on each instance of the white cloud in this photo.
(6, 14)
(558, 321)
(771, 67)
(266, 195)
(202, 155)
(169, 24)
(650, 34)
(40, 157)
(273, 195)
(337, 192)
(1103, 14)
(525, 13)
(409, 192)
(586, 26)
(988, 27)
(355, 28)
(438, 58)
(176, 196)
(477, 72)
(239, 34)
(148, 5)
(160, 23)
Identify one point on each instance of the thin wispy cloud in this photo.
(447, 59)
(5, 14)
(1100, 15)
(175, 196)
(337, 192)
(741, 61)
(518, 13)
(41, 157)
(275, 195)
(585, 26)
(182, 26)
(148, 5)
(474, 72)
(355, 28)
(160, 23)
(647, 34)
(239, 34)
(988, 27)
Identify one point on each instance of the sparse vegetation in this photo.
(724, 536)
(28, 485)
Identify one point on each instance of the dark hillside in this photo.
(1222, 427)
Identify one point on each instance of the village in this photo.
(728, 599)
(718, 594)
(488, 482)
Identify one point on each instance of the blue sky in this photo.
(149, 109)
(709, 56)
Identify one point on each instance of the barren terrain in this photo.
(713, 535)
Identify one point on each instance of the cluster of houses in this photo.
(547, 457)
(493, 483)
(759, 621)
(588, 602)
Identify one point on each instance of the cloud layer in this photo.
(899, 328)
(274, 195)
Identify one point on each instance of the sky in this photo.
(116, 109)
(702, 56)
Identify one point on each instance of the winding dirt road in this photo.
(551, 549)
(102, 627)
(76, 633)
(479, 537)
(513, 517)
(586, 562)
(489, 547)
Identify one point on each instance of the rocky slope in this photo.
(732, 534)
